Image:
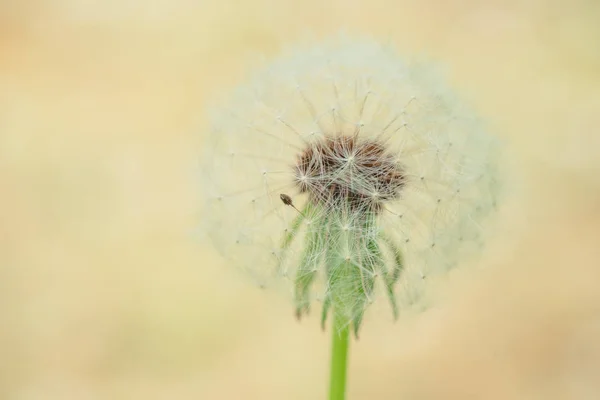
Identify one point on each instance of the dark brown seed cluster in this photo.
(343, 170)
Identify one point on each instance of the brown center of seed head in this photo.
(343, 170)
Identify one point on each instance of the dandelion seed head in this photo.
(324, 172)
(378, 152)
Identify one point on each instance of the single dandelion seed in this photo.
(393, 174)
(287, 200)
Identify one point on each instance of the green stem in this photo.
(339, 358)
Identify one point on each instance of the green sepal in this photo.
(307, 271)
(291, 234)
(370, 261)
(366, 284)
(390, 278)
(325, 310)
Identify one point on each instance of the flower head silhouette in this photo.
(341, 167)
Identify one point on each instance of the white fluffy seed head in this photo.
(361, 90)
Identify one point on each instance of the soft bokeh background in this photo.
(107, 291)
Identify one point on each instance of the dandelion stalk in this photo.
(343, 167)
(339, 358)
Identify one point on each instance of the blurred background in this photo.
(108, 292)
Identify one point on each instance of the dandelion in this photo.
(341, 168)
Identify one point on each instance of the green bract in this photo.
(350, 277)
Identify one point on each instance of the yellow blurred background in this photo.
(108, 292)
